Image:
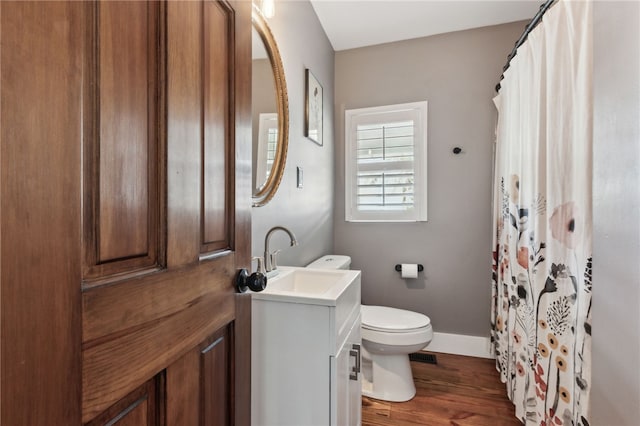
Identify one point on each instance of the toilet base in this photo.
(387, 377)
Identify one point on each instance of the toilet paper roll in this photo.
(409, 270)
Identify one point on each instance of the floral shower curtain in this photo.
(541, 309)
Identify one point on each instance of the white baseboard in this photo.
(459, 344)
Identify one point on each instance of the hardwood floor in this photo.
(459, 390)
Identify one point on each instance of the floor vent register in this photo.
(422, 357)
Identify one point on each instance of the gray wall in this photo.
(615, 394)
(308, 212)
(456, 73)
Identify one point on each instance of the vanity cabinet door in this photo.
(347, 391)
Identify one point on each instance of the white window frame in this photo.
(416, 111)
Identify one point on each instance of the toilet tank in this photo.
(331, 261)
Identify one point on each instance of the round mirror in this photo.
(270, 111)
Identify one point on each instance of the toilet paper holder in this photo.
(399, 267)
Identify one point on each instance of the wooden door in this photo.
(124, 211)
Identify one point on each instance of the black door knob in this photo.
(254, 282)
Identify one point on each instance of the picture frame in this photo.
(313, 108)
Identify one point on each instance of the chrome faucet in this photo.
(270, 258)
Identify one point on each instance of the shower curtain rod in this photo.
(534, 22)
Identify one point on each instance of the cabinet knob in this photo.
(254, 282)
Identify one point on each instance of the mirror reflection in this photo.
(270, 112)
(264, 113)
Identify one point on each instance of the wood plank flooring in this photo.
(459, 391)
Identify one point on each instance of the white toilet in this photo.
(389, 335)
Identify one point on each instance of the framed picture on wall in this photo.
(313, 113)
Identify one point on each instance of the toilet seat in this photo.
(395, 327)
(392, 320)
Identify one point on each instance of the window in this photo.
(267, 145)
(386, 163)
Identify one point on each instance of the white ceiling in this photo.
(357, 23)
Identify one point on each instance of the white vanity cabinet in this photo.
(305, 357)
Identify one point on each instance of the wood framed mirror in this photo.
(270, 111)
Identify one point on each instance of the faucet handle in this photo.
(273, 257)
(260, 260)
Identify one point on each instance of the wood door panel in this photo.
(200, 383)
(124, 139)
(123, 142)
(217, 114)
(40, 154)
(140, 407)
(183, 381)
(214, 379)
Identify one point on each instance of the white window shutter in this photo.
(386, 163)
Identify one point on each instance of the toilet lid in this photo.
(387, 319)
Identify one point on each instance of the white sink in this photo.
(305, 281)
(311, 286)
